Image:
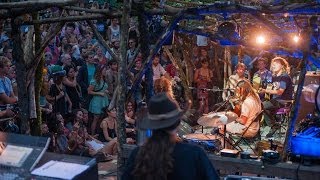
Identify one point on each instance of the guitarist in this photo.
(262, 78)
(282, 90)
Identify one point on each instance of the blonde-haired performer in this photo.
(282, 89)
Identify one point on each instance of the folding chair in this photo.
(247, 140)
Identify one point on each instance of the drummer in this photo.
(250, 107)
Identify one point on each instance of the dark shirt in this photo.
(283, 82)
(190, 163)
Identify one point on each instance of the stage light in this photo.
(260, 39)
(296, 38)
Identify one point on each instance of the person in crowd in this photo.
(6, 91)
(262, 77)
(53, 49)
(72, 87)
(163, 85)
(158, 70)
(138, 91)
(101, 59)
(113, 31)
(58, 96)
(132, 50)
(235, 78)
(282, 89)
(250, 107)
(86, 73)
(115, 48)
(12, 76)
(202, 78)
(111, 77)
(44, 130)
(70, 34)
(98, 88)
(66, 60)
(7, 52)
(177, 160)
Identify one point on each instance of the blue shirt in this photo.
(5, 86)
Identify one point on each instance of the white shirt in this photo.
(250, 108)
(158, 71)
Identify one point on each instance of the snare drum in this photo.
(207, 141)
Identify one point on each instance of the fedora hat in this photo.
(163, 112)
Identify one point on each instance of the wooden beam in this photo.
(102, 41)
(54, 30)
(38, 3)
(69, 18)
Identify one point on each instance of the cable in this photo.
(298, 168)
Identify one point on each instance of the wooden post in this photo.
(145, 49)
(18, 55)
(122, 76)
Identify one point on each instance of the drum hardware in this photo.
(216, 119)
(207, 141)
(229, 153)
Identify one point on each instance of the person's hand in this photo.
(9, 113)
(130, 141)
(262, 90)
(61, 94)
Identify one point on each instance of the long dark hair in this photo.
(154, 159)
(98, 76)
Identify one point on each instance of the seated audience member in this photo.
(6, 92)
(177, 160)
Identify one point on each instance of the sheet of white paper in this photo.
(94, 145)
(62, 170)
(14, 155)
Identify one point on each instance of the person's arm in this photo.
(105, 130)
(196, 76)
(6, 113)
(242, 119)
(69, 83)
(92, 92)
(8, 100)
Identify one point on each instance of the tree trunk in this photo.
(18, 55)
(35, 125)
(122, 74)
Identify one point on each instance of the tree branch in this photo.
(54, 31)
(37, 3)
(69, 18)
(102, 41)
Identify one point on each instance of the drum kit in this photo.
(214, 120)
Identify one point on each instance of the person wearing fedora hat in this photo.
(163, 156)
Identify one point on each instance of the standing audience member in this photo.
(158, 70)
(86, 73)
(163, 156)
(98, 88)
(202, 77)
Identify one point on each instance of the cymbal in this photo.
(218, 118)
